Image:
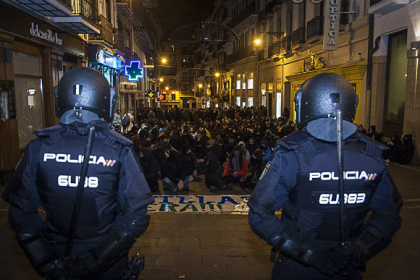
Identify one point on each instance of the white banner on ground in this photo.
(199, 203)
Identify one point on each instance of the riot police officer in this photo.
(302, 180)
(116, 195)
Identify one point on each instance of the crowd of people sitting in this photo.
(228, 146)
(400, 151)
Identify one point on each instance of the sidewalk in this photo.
(216, 245)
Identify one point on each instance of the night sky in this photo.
(172, 14)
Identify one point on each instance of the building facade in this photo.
(39, 43)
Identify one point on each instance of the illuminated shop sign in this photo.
(47, 35)
(134, 72)
(331, 24)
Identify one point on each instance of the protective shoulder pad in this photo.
(372, 146)
(294, 140)
(114, 136)
(51, 132)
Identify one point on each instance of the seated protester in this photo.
(200, 153)
(361, 130)
(214, 170)
(257, 166)
(141, 140)
(223, 154)
(235, 168)
(187, 138)
(403, 154)
(188, 163)
(200, 138)
(390, 154)
(266, 149)
(245, 152)
(251, 146)
(162, 148)
(371, 131)
(150, 168)
(175, 139)
(173, 179)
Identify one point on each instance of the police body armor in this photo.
(60, 157)
(313, 203)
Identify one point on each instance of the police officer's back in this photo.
(116, 195)
(302, 179)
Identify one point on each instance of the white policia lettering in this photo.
(347, 175)
(350, 198)
(73, 182)
(63, 158)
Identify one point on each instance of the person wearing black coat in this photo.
(214, 169)
(188, 163)
(150, 168)
(172, 173)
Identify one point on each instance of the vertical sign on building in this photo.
(331, 24)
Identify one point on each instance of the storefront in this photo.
(353, 72)
(35, 56)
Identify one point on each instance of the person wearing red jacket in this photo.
(236, 168)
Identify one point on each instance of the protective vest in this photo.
(60, 159)
(313, 204)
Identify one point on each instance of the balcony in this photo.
(285, 45)
(84, 19)
(142, 38)
(248, 14)
(241, 54)
(298, 38)
(386, 6)
(315, 29)
(106, 31)
(48, 8)
(80, 16)
(274, 49)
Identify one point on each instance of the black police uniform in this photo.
(115, 198)
(302, 179)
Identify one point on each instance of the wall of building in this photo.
(405, 17)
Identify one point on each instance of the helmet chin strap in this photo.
(326, 129)
(76, 115)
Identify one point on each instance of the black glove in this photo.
(342, 256)
(323, 261)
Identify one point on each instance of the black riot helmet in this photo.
(321, 96)
(84, 88)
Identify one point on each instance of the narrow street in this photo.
(221, 245)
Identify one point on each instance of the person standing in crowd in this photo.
(308, 237)
(114, 182)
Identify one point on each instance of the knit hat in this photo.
(264, 144)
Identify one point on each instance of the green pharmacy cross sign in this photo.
(134, 72)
